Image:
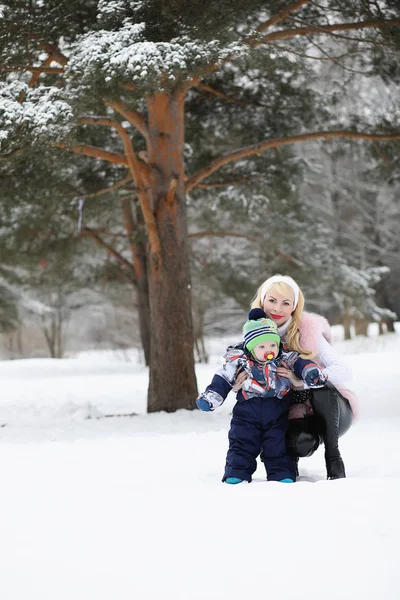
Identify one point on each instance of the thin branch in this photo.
(93, 233)
(54, 51)
(318, 29)
(281, 15)
(9, 155)
(95, 152)
(122, 236)
(202, 234)
(290, 258)
(381, 154)
(128, 86)
(211, 90)
(119, 184)
(250, 238)
(133, 116)
(323, 58)
(207, 186)
(260, 147)
(332, 59)
(32, 69)
(99, 120)
(35, 78)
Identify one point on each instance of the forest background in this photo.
(160, 159)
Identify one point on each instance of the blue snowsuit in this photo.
(259, 418)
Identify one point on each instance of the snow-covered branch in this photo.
(126, 55)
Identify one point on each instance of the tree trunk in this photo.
(361, 326)
(198, 333)
(139, 260)
(390, 325)
(172, 382)
(346, 319)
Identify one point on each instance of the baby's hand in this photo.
(284, 371)
(203, 404)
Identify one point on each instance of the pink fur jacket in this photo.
(311, 329)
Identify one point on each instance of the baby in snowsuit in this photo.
(259, 417)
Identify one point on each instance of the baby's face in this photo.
(267, 350)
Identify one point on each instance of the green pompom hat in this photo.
(259, 329)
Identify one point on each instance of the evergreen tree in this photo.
(129, 67)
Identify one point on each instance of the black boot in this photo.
(334, 467)
(326, 405)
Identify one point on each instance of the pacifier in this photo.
(269, 355)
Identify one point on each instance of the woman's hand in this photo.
(239, 381)
(284, 371)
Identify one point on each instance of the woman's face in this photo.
(278, 307)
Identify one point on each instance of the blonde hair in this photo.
(293, 335)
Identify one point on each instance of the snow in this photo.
(126, 54)
(44, 112)
(133, 507)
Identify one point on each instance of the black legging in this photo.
(331, 419)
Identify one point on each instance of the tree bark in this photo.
(172, 382)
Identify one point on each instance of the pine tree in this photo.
(129, 67)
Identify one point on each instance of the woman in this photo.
(319, 415)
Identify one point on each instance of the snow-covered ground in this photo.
(115, 508)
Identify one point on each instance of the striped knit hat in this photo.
(259, 329)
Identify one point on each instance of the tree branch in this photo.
(207, 186)
(140, 173)
(211, 90)
(35, 78)
(128, 86)
(94, 120)
(319, 29)
(133, 116)
(290, 258)
(53, 51)
(32, 69)
(92, 233)
(260, 147)
(87, 150)
(5, 157)
(281, 15)
(119, 184)
(328, 58)
(202, 234)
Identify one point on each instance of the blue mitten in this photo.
(312, 376)
(203, 404)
